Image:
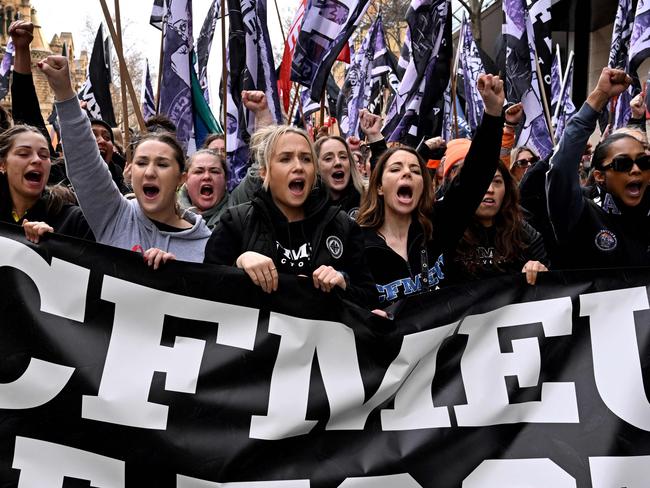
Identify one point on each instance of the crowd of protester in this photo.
(374, 223)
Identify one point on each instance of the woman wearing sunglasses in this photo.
(615, 231)
(523, 158)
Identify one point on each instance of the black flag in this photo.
(96, 89)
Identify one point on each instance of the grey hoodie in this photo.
(113, 219)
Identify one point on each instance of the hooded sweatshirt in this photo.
(592, 234)
(211, 215)
(113, 219)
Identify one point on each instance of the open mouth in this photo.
(405, 194)
(338, 176)
(633, 189)
(150, 191)
(297, 186)
(34, 176)
(206, 190)
(488, 201)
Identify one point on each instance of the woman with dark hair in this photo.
(339, 173)
(24, 170)
(498, 240)
(615, 231)
(289, 225)
(408, 237)
(153, 221)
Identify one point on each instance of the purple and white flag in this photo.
(619, 57)
(203, 45)
(384, 76)
(556, 81)
(355, 93)
(640, 39)
(518, 72)
(540, 15)
(250, 67)
(5, 68)
(158, 12)
(470, 66)
(621, 35)
(566, 108)
(326, 28)
(535, 132)
(148, 100)
(176, 86)
(451, 122)
(417, 109)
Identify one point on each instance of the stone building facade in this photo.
(14, 9)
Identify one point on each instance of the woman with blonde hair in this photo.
(289, 226)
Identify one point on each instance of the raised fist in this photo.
(491, 89)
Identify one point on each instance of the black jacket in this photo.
(67, 220)
(396, 278)
(484, 260)
(592, 235)
(333, 239)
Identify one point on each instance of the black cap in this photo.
(104, 124)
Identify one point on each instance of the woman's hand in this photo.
(638, 107)
(261, 270)
(34, 230)
(22, 33)
(531, 268)
(371, 125)
(154, 257)
(514, 114)
(326, 278)
(57, 72)
(491, 89)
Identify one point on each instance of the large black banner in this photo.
(114, 375)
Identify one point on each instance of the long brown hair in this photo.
(372, 213)
(508, 222)
(355, 177)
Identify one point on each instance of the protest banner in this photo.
(190, 376)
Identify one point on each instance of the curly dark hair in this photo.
(510, 237)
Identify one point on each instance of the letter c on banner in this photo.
(43, 380)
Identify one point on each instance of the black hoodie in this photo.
(65, 219)
(326, 236)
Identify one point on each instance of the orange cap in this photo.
(433, 163)
(456, 151)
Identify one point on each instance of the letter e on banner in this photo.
(45, 465)
(484, 367)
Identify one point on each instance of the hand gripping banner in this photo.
(113, 375)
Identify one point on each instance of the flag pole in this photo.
(224, 76)
(453, 80)
(160, 63)
(563, 87)
(542, 93)
(322, 108)
(125, 102)
(295, 85)
(120, 56)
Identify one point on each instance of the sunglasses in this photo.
(624, 164)
(525, 163)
